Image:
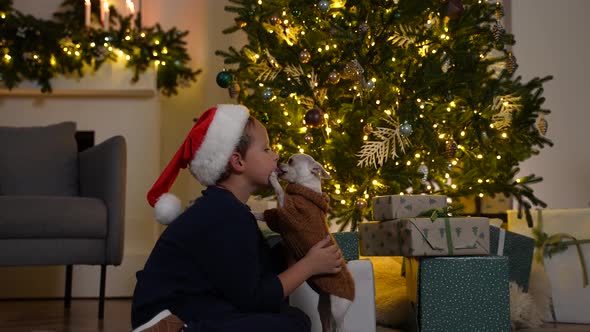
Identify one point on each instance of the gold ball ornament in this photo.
(360, 204)
(334, 77)
(308, 138)
(368, 128)
(274, 20)
(314, 118)
(304, 56)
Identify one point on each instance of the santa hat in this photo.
(206, 149)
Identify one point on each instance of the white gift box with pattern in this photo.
(571, 300)
(405, 206)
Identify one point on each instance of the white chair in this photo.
(361, 314)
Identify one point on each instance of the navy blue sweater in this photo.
(210, 262)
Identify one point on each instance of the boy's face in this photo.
(261, 160)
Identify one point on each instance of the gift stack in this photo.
(453, 282)
(563, 248)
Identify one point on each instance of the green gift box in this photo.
(459, 294)
(349, 244)
(519, 250)
(425, 237)
(405, 206)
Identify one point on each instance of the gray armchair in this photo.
(59, 206)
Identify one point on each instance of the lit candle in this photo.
(106, 15)
(131, 12)
(101, 10)
(87, 6)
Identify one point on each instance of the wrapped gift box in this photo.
(571, 300)
(425, 237)
(487, 204)
(405, 206)
(519, 250)
(459, 293)
(349, 244)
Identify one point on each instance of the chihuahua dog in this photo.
(301, 220)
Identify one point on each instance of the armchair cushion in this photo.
(46, 217)
(39, 160)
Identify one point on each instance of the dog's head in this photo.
(302, 169)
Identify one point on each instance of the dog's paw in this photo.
(273, 179)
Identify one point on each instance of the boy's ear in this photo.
(236, 161)
(318, 170)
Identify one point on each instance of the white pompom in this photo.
(167, 208)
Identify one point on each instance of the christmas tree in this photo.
(392, 97)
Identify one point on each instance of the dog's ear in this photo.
(318, 170)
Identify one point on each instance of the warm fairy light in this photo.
(453, 104)
(279, 147)
(343, 202)
(92, 44)
(328, 130)
(480, 194)
(3, 15)
(157, 62)
(492, 125)
(448, 109)
(7, 57)
(447, 175)
(367, 196)
(260, 2)
(378, 102)
(441, 136)
(454, 186)
(127, 37)
(351, 190)
(302, 130)
(301, 150)
(326, 116)
(338, 121)
(462, 133)
(285, 22)
(337, 186)
(409, 163)
(479, 181)
(289, 123)
(127, 57)
(388, 112)
(375, 182)
(479, 156)
(417, 155)
(157, 42)
(256, 56)
(337, 191)
(77, 53)
(154, 53)
(435, 125)
(163, 63)
(365, 138)
(142, 35)
(498, 157)
(319, 50)
(164, 50)
(504, 135)
(454, 163)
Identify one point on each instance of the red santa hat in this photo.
(206, 149)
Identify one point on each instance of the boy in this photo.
(211, 267)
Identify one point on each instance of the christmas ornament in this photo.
(308, 138)
(451, 148)
(542, 125)
(296, 12)
(498, 31)
(314, 117)
(333, 77)
(304, 56)
(224, 79)
(511, 64)
(368, 128)
(267, 94)
(454, 9)
(360, 204)
(284, 93)
(274, 20)
(364, 28)
(370, 85)
(353, 71)
(234, 89)
(484, 136)
(324, 5)
(405, 129)
(423, 169)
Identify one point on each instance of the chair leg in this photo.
(68, 293)
(103, 276)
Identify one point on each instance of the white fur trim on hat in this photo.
(167, 208)
(222, 137)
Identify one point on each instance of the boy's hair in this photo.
(241, 148)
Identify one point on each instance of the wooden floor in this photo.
(50, 316)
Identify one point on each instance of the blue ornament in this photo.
(324, 5)
(405, 129)
(224, 79)
(267, 94)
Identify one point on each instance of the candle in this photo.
(131, 12)
(87, 6)
(106, 15)
(101, 10)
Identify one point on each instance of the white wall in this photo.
(552, 39)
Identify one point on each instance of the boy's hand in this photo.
(324, 258)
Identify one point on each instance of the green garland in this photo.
(39, 50)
